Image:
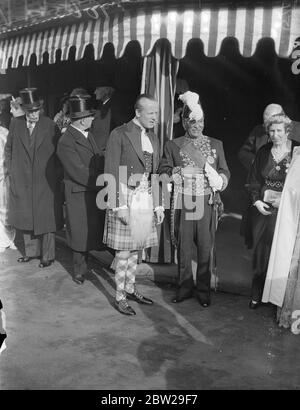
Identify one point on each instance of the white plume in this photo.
(192, 101)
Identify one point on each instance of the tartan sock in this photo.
(120, 277)
(114, 263)
(130, 274)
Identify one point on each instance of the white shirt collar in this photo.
(145, 140)
(104, 102)
(32, 123)
(136, 121)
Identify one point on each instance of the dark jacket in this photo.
(254, 187)
(80, 158)
(102, 125)
(35, 177)
(172, 157)
(124, 148)
(256, 139)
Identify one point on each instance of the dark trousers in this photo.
(200, 232)
(263, 236)
(42, 246)
(258, 283)
(80, 263)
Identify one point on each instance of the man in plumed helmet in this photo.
(196, 165)
(35, 205)
(80, 156)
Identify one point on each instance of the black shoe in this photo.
(137, 297)
(204, 304)
(124, 308)
(204, 299)
(45, 264)
(253, 305)
(179, 299)
(24, 259)
(79, 279)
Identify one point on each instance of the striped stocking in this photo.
(131, 271)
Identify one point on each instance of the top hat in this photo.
(30, 99)
(80, 107)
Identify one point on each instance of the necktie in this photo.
(30, 127)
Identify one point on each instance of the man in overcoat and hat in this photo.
(102, 125)
(80, 156)
(197, 166)
(35, 179)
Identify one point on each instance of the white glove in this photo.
(276, 203)
(214, 179)
(262, 207)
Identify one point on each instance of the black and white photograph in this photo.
(149, 198)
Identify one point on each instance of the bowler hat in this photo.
(80, 107)
(30, 99)
(78, 91)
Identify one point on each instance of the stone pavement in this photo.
(64, 336)
(233, 261)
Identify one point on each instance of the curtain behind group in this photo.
(159, 79)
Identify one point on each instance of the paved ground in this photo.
(234, 274)
(65, 336)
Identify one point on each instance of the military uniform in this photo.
(194, 152)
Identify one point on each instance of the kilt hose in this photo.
(125, 276)
(118, 236)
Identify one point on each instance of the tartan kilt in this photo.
(118, 235)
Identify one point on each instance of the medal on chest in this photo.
(203, 145)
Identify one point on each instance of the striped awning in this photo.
(247, 25)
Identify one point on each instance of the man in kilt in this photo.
(132, 156)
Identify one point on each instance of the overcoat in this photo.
(102, 125)
(35, 177)
(81, 161)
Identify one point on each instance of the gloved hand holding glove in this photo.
(214, 179)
